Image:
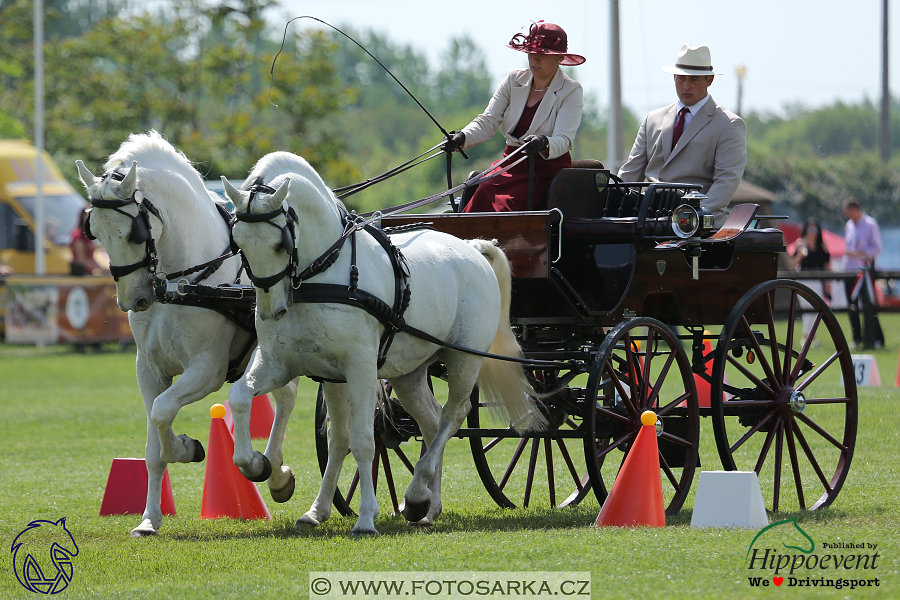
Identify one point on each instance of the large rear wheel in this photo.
(785, 404)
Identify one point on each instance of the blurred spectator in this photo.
(83, 262)
(862, 239)
(811, 254)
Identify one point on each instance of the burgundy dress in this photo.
(509, 191)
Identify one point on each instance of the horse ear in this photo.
(234, 194)
(130, 181)
(87, 178)
(281, 193)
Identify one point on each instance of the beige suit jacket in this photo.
(557, 117)
(712, 152)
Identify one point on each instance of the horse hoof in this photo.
(422, 524)
(415, 511)
(359, 533)
(145, 529)
(306, 521)
(199, 452)
(284, 494)
(264, 474)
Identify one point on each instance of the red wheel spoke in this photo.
(815, 427)
(827, 401)
(675, 439)
(795, 465)
(814, 374)
(571, 466)
(659, 380)
(529, 480)
(669, 475)
(512, 464)
(375, 469)
(623, 395)
(353, 485)
(773, 338)
(789, 336)
(389, 479)
(674, 403)
(753, 378)
(492, 443)
(614, 445)
(548, 453)
(612, 415)
(645, 380)
(633, 374)
(752, 431)
(764, 451)
(779, 447)
(759, 353)
(400, 454)
(812, 459)
(795, 373)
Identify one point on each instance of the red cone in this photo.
(126, 489)
(636, 497)
(262, 415)
(227, 493)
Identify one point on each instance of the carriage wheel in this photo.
(391, 465)
(785, 406)
(642, 366)
(541, 469)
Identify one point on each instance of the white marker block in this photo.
(865, 369)
(729, 499)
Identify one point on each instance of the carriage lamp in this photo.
(691, 218)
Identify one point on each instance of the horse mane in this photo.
(274, 164)
(152, 151)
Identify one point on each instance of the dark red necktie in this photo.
(679, 126)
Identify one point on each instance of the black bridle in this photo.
(352, 223)
(141, 231)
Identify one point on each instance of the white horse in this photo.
(459, 293)
(183, 228)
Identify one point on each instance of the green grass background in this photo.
(65, 416)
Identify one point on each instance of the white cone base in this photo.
(729, 499)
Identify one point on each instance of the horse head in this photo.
(123, 226)
(270, 251)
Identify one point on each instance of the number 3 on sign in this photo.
(865, 369)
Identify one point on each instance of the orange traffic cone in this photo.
(636, 497)
(126, 489)
(262, 415)
(226, 493)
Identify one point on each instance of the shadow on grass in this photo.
(490, 521)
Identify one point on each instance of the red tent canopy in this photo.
(791, 231)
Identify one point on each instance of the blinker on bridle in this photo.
(287, 236)
(140, 227)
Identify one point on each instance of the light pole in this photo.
(741, 72)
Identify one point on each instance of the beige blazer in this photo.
(557, 117)
(712, 152)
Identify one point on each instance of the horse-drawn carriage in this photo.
(622, 300)
(621, 307)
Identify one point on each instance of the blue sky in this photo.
(806, 52)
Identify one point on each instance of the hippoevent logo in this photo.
(783, 554)
(42, 556)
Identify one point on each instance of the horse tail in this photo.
(501, 383)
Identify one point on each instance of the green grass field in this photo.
(65, 416)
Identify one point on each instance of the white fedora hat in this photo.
(692, 61)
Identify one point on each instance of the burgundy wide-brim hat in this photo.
(546, 38)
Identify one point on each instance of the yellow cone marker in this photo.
(217, 411)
